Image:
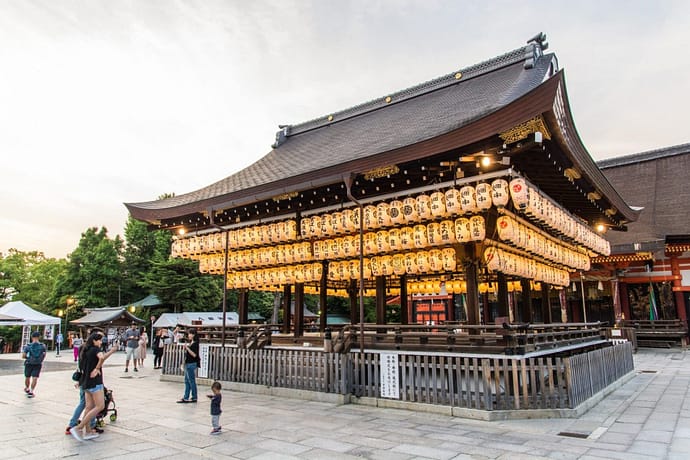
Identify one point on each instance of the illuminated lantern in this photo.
(407, 238)
(367, 268)
(355, 217)
(500, 193)
(370, 217)
(334, 270)
(326, 250)
(492, 258)
(299, 252)
(333, 247)
(337, 221)
(438, 204)
(448, 259)
(420, 236)
(307, 251)
(232, 239)
(299, 273)
(383, 214)
(317, 250)
(423, 261)
(453, 201)
(370, 243)
(376, 266)
(410, 210)
(386, 265)
(462, 230)
(289, 254)
(468, 199)
(271, 233)
(447, 228)
(433, 233)
(344, 270)
(326, 225)
(318, 271)
(315, 226)
(281, 231)
(348, 222)
(382, 241)
(399, 264)
(424, 206)
(506, 228)
(394, 239)
(483, 196)
(356, 243)
(348, 249)
(518, 192)
(340, 243)
(265, 237)
(435, 260)
(291, 230)
(477, 228)
(411, 263)
(395, 210)
(354, 269)
(175, 251)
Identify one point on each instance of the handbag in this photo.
(77, 375)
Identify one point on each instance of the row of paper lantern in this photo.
(396, 239)
(532, 241)
(506, 262)
(543, 210)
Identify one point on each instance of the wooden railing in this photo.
(660, 332)
(549, 379)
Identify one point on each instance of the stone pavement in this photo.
(647, 417)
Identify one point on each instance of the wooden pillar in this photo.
(486, 313)
(404, 301)
(526, 313)
(243, 306)
(625, 301)
(323, 297)
(287, 302)
(502, 295)
(677, 293)
(546, 303)
(299, 309)
(472, 294)
(380, 300)
(353, 295)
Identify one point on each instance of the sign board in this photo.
(203, 355)
(390, 376)
(616, 333)
(48, 332)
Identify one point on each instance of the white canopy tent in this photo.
(27, 317)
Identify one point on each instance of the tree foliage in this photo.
(29, 277)
(143, 248)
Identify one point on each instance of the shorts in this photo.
(95, 389)
(132, 353)
(32, 370)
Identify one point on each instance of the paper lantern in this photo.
(411, 263)
(353, 265)
(468, 199)
(506, 228)
(333, 247)
(382, 241)
(500, 193)
(399, 264)
(386, 265)
(376, 266)
(326, 250)
(271, 233)
(291, 230)
(367, 268)
(395, 210)
(317, 250)
(326, 225)
(337, 222)
(420, 236)
(447, 228)
(370, 243)
(448, 259)
(477, 228)
(370, 217)
(348, 222)
(453, 201)
(307, 251)
(394, 239)
(340, 243)
(289, 254)
(318, 271)
(423, 261)
(282, 231)
(483, 196)
(410, 210)
(407, 238)
(383, 214)
(433, 233)
(492, 258)
(435, 260)
(424, 206)
(519, 193)
(462, 230)
(334, 271)
(438, 204)
(315, 226)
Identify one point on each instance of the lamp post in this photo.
(59, 336)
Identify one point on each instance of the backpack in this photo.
(35, 353)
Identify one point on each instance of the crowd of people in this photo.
(90, 354)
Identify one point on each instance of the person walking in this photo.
(143, 343)
(90, 363)
(191, 362)
(158, 346)
(77, 342)
(132, 347)
(216, 399)
(34, 353)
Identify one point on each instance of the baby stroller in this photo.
(109, 406)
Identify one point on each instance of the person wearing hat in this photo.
(33, 353)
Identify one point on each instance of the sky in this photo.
(104, 102)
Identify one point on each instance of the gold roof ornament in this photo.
(285, 196)
(383, 171)
(572, 174)
(388, 99)
(458, 75)
(594, 196)
(521, 131)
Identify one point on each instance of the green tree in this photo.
(94, 271)
(179, 283)
(142, 249)
(29, 277)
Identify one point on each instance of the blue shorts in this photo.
(32, 370)
(95, 389)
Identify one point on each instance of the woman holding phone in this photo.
(191, 362)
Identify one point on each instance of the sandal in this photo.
(182, 401)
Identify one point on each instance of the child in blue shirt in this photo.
(215, 398)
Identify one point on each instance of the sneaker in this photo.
(126, 370)
(216, 431)
(192, 400)
(136, 370)
(76, 435)
(67, 430)
(30, 394)
(182, 401)
(88, 436)
(27, 390)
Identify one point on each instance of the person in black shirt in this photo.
(191, 362)
(90, 363)
(216, 399)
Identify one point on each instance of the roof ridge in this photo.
(525, 53)
(646, 155)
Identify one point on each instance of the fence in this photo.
(551, 380)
